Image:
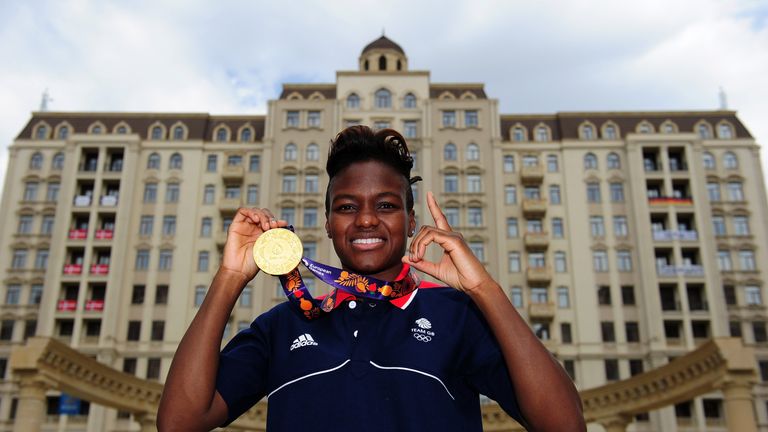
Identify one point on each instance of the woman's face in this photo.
(367, 219)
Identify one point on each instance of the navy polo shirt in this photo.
(369, 365)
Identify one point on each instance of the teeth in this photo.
(368, 241)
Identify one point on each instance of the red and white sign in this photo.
(94, 305)
(103, 234)
(99, 269)
(67, 305)
(72, 269)
(78, 234)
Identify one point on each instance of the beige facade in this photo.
(606, 228)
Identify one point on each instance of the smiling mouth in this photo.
(367, 244)
(367, 241)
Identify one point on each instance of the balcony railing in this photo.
(669, 201)
(66, 305)
(233, 172)
(103, 234)
(99, 269)
(78, 234)
(82, 200)
(536, 240)
(531, 174)
(534, 207)
(538, 275)
(73, 269)
(94, 305)
(108, 201)
(669, 235)
(541, 310)
(685, 270)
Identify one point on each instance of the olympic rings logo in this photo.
(422, 338)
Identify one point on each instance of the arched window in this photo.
(724, 131)
(221, 134)
(709, 161)
(290, 152)
(41, 132)
(122, 130)
(542, 133)
(313, 152)
(382, 63)
(409, 101)
(383, 98)
(153, 161)
(704, 131)
(613, 161)
(518, 134)
(58, 161)
(449, 152)
(587, 132)
(157, 133)
(730, 161)
(473, 152)
(36, 161)
(246, 134)
(353, 101)
(96, 129)
(609, 132)
(178, 133)
(175, 161)
(590, 161)
(63, 132)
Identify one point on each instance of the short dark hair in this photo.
(361, 144)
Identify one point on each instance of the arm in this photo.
(537, 378)
(190, 401)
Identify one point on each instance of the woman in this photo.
(416, 360)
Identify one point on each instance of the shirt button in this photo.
(355, 333)
(352, 304)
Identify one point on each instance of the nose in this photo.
(367, 218)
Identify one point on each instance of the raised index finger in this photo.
(437, 214)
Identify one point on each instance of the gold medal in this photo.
(277, 251)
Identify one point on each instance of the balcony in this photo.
(82, 200)
(108, 201)
(78, 234)
(99, 269)
(684, 270)
(233, 172)
(536, 241)
(94, 305)
(538, 276)
(534, 207)
(531, 174)
(229, 205)
(670, 235)
(73, 269)
(66, 305)
(670, 201)
(541, 310)
(103, 234)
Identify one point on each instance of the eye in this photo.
(345, 208)
(387, 205)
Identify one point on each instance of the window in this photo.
(708, 160)
(724, 260)
(200, 292)
(470, 118)
(254, 164)
(509, 163)
(534, 226)
(246, 135)
(747, 260)
(735, 192)
(628, 295)
(52, 194)
(478, 249)
(557, 228)
(513, 262)
(541, 330)
(30, 191)
(542, 133)
(596, 226)
(600, 261)
(449, 118)
(449, 152)
(518, 134)
(613, 161)
(516, 296)
(161, 295)
(590, 161)
(718, 225)
(178, 133)
(153, 368)
(234, 160)
(169, 225)
(451, 183)
(620, 226)
(563, 297)
(310, 217)
(63, 132)
(752, 295)
(552, 164)
(292, 119)
(36, 294)
(587, 132)
(452, 216)
(758, 330)
(313, 152)
(158, 330)
(607, 331)
(211, 163)
(730, 161)
(36, 161)
(209, 194)
(724, 131)
(474, 184)
(175, 161)
(704, 131)
(290, 152)
(252, 194)
(246, 297)
(289, 183)
(41, 259)
(713, 191)
(409, 101)
(539, 295)
(632, 330)
(166, 259)
(206, 226)
(609, 132)
(611, 369)
(512, 228)
(25, 224)
(410, 129)
(310, 183)
(157, 133)
(593, 193)
(137, 295)
(46, 225)
(624, 260)
(13, 294)
(383, 98)
(537, 260)
(353, 101)
(142, 259)
(19, 260)
(475, 216)
(288, 214)
(473, 152)
(134, 331)
(560, 263)
(172, 193)
(554, 194)
(129, 365)
(740, 225)
(313, 119)
(510, 194)
(57, 163)
(380, 124)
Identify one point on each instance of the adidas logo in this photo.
(302, 341)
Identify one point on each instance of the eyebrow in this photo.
(355, 197)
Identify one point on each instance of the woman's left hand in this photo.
(458, 267)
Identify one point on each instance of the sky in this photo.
(232, 56)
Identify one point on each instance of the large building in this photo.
(626, 239)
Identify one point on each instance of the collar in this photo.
(400, 302)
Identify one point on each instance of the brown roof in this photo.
(328, 91)
(199, 126)
(435, 90)
(383, 43)
(566, 125)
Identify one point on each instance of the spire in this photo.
(44, 100)
(723, 99)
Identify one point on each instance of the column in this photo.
(739, 411)
(147, 422)
(30, 413)
(616, 424)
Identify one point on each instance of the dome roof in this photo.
(383, 43)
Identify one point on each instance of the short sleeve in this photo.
(484, 366)
(243, 367)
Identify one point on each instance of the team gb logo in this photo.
(422, 333)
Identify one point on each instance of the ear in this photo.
(327, 228)
(411, 222)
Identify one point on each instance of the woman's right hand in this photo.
(247, 225)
